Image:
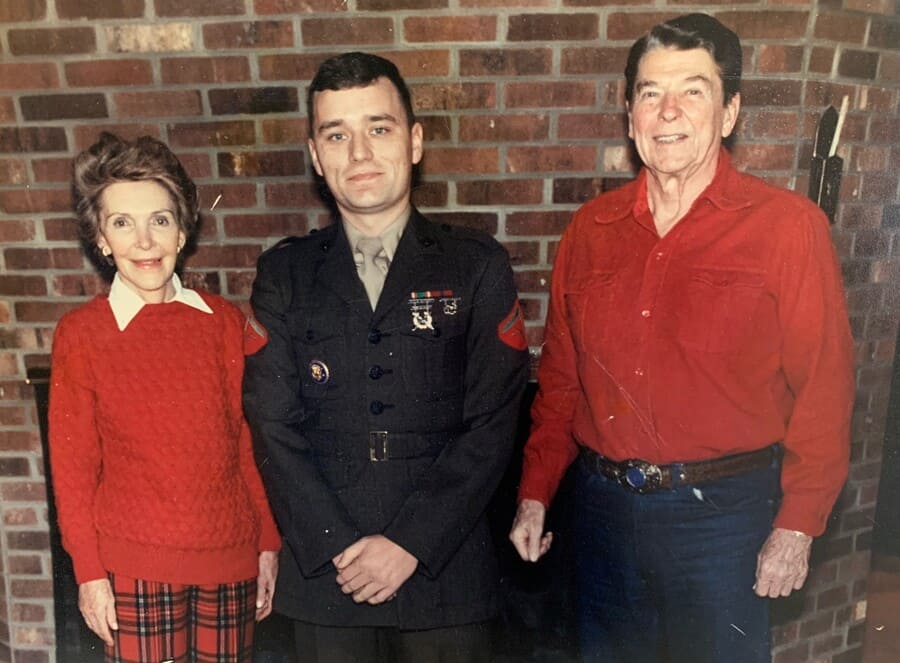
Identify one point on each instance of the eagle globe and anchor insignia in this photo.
(318, 371)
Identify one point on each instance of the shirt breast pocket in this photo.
(719, 309)
(588, 307)
(320, 351)
(434, 361)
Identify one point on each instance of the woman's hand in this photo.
(98, 607)
(265, 583)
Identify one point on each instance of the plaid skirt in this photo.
(163, 622)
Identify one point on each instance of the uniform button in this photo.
(375, 372)
(646, 313)
(374, 336)
(310, 334)
(376, 407)
(436, 332)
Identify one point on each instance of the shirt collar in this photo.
(126, 303)
(390, 236)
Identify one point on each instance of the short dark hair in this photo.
(356, 69)
(113, 160)
(687, 32)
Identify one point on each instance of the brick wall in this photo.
(522, 105)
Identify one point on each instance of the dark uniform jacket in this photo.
(399, 422)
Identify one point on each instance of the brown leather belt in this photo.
(642, 476)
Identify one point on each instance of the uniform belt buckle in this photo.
(378, 445)
(640, 476)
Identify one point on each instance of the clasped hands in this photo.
(373, 569)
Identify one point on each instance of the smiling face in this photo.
(139, 229)
(677, 117)
(365, 149)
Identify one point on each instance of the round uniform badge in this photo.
(318, 371)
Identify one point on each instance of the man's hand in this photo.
(265, 583)
(527, 529)
(782, 563)
(373, 569)
(98, 607)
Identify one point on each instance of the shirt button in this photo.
(376, 407)
(375, 372)
(646, 313)
(659, 255)
(374, 336)
(639, 372)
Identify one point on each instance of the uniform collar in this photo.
(390, 236)
(724, 192)
(126, 303)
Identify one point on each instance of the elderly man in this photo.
(697, 349)
(387, 396)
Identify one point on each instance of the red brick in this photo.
(28, 612)
(507, 3)
(43, 311)
(257, 34)
(595, 126)
(20, 441)
(28, 76)
(447, 96)
(629, 26)
(565, 94)
(281, 131)
(395, 5)
(11, 416)
(821, 60)
(79, 285)
(870, 158)
(19, 517)
(52, 171)
(437, 128)
(26, 540)
(858, 64)
(796, 654)
(576, 190)
(19, 286)
(226, 256)
(99, 73)
(62, 41)
(505, 62)
(7, 110)
(817, 625)
(13, 171)
(430, 194)
(33, 656)
(198, 7)
(884, 33)
(755, 156)
(26, 564)
(35, 200)
(500, 192)
(233, 195)
(256, 100)
(420, 62)
(295, 194)
(770, 93)
(289, 66)
(766, 25)
(593, 60)
(16, 230)
(42, 258)
(69, 9)
(265, 225)
(433, 29)
(240, 284)
(212, 134)
(503, 128)
(537, 223)
(779, 59)
(63, 107)
(13, 12)
(774, 124)
(299, 6)
(86, 135)
(840, 26)
(552, 27)
(442, 160)
(532, 280)
(261, 164)
(552, 159)
(208, 281)
(60, 229)
(832, 598)
(223, 69)
(346, 31)
(158, 104)
(523, 253)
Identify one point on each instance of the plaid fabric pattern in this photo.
(165, 622)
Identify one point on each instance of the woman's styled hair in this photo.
(685, 33)
(113, 160)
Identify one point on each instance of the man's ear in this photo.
(417, 136)
(630, 123)
(314, 156)
(729, 119)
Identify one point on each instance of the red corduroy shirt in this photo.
(726, 335)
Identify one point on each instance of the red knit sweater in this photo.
(151, 457)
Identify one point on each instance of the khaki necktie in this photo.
(373, 268)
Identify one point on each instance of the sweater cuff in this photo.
(88, 569)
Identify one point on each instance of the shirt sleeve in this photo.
(75, 457)
(551, 448)
(817, 360)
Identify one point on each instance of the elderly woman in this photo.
(160, 503)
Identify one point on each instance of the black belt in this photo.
(642, 476)
(381, 445)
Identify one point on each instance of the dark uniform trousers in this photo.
(398, 422)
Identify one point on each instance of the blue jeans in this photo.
(668, 576)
